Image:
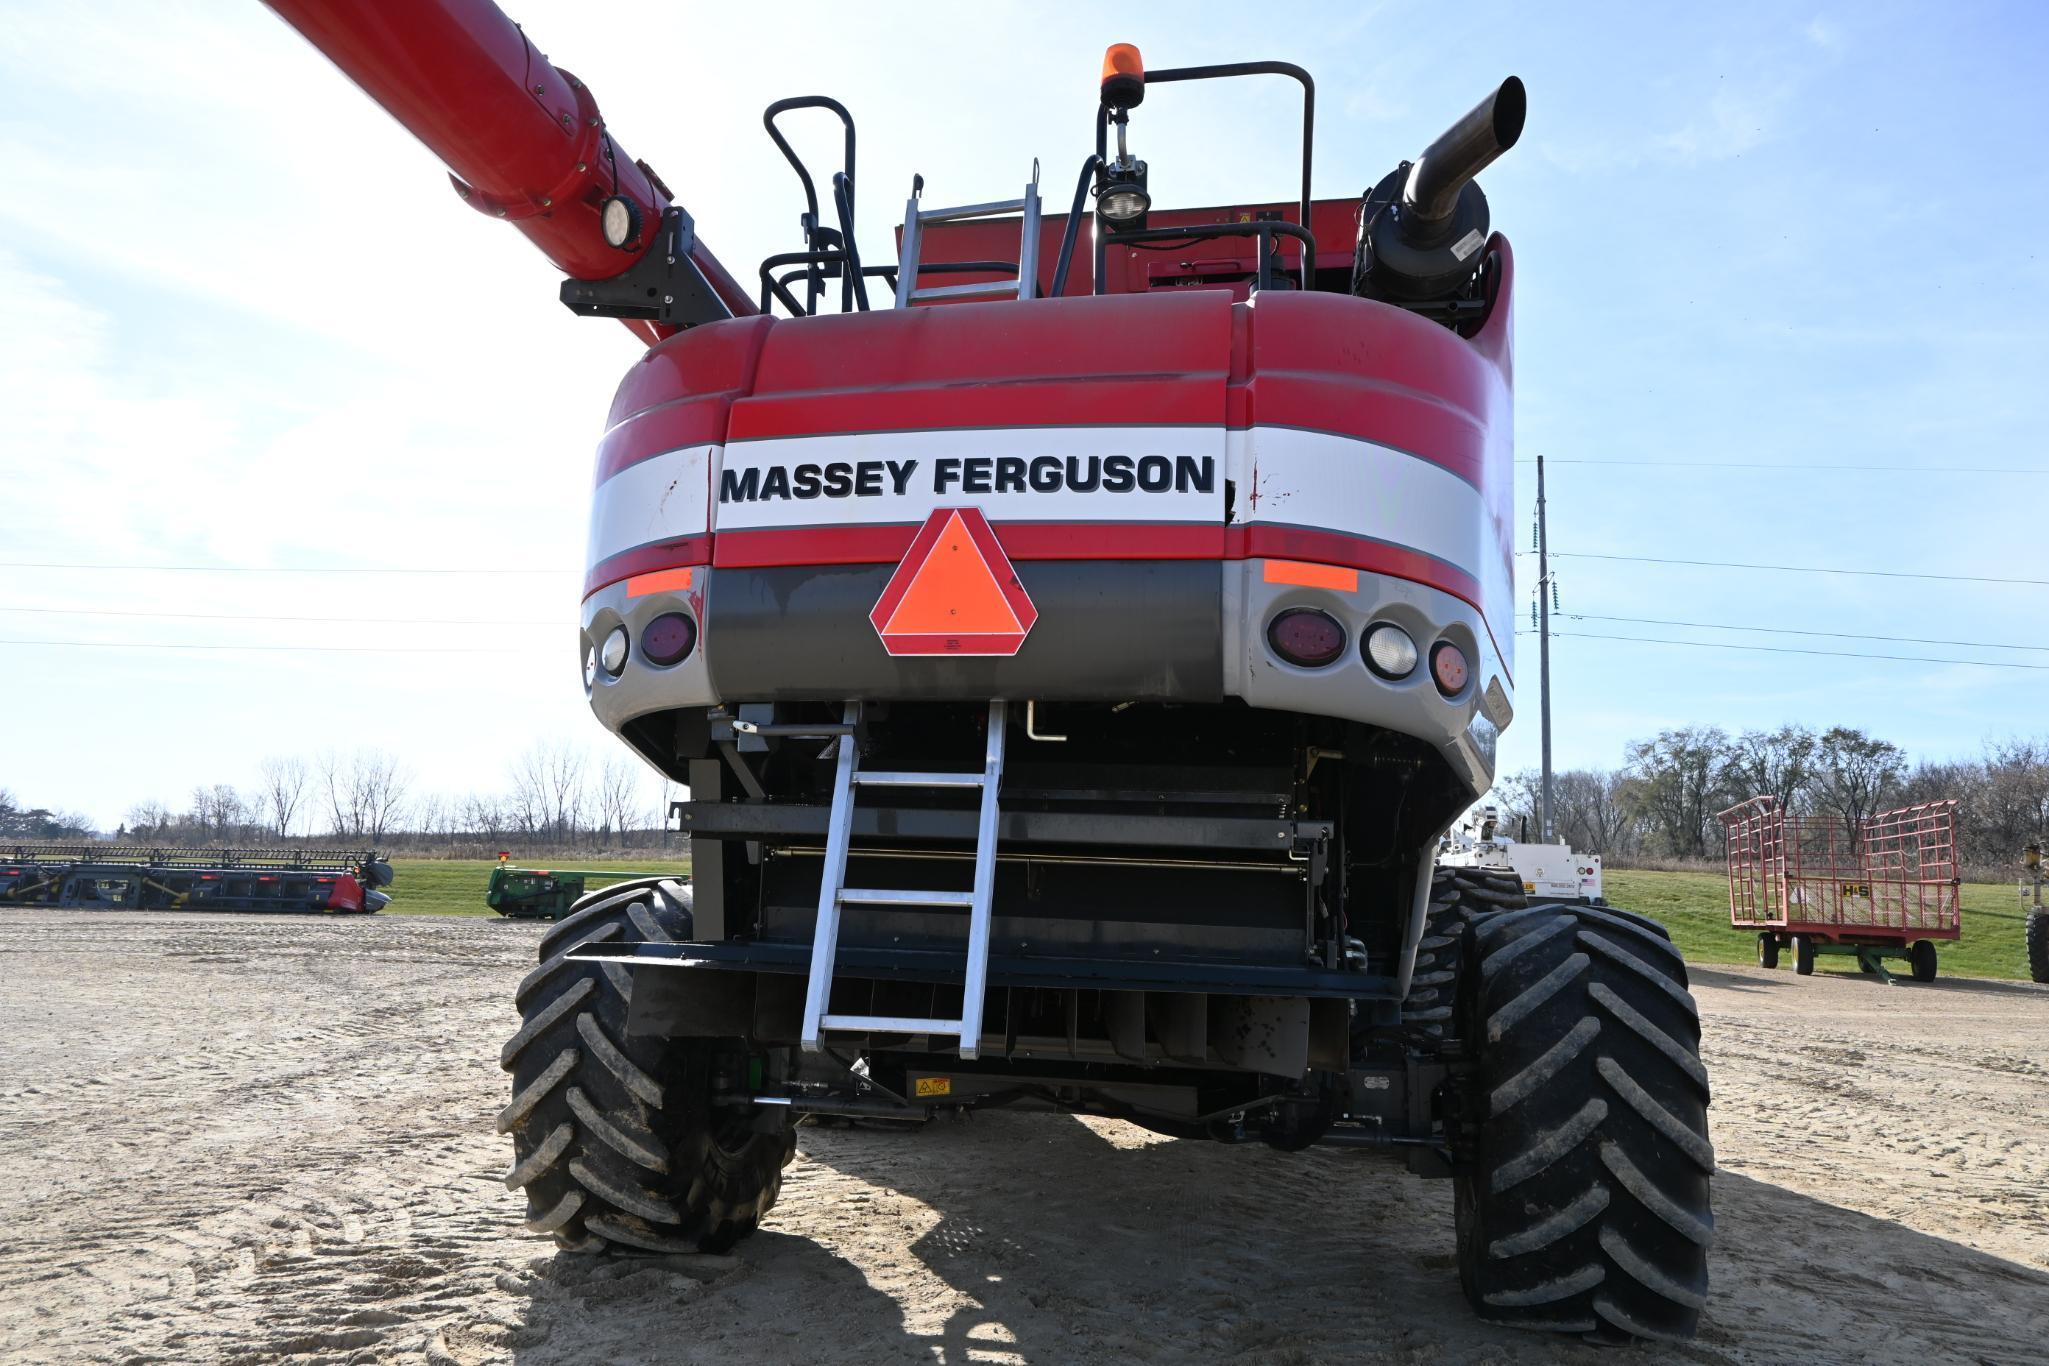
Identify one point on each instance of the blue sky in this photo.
(243, 320)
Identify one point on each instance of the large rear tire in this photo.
(615, 1138)
(2038, 945)
(1458, 897)
(1582, 1181)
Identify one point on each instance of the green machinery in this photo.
(538, 894)
(531, 893)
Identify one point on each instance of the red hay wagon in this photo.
(1885, 889)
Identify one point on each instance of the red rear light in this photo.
(668, 639)
(1448, 667)
(1305, 636)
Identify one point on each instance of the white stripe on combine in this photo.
(1319, 480)
(657, 499)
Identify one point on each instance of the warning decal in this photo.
(955, 592)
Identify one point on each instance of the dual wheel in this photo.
(1579, 1127)
(619, 1138)
(1920, 956)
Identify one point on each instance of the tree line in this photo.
(1664, 801)
(553, 797)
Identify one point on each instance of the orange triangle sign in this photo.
(955, 592)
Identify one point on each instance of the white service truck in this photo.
(1548, 872)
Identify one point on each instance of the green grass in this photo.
(456, 886)
(1695, 908)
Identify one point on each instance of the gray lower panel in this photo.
(1124, 629)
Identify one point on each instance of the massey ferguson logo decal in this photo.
(952, 476)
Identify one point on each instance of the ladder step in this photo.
(873, 896)
(988, 210)
(891, 1024)
(993, 289)
(886, 779)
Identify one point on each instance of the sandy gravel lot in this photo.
(229, 1139)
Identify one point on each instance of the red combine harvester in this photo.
(1886, 889)
(1073, 666)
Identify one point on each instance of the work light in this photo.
(620, 218)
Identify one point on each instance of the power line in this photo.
(1797, 469)
(240, 616)
(307, 649)
(1795, 631)
(1797, 568)
(1795, 650)
(268, 569)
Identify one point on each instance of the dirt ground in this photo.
(230, 1139)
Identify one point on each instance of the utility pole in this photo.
(1544, 649)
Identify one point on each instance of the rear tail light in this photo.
(668, 639)
(1448, 667)
(1390, 651)
(1305, 636)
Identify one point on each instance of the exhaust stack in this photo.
(1437, 178)
(1421, 229)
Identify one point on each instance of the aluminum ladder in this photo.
(834, 895)
(1025, 286)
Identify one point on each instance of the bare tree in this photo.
(1854, 775)
(334, 792)
(1677, 781)
(1777, 763)
(566, 797)
(2012, 800)
(146, 819)
(617, 791)
(549, 797)
(378, 790)
(526, 806)
(218, 812)
(1591, 814)
(283, 792)
(486, 816)
(365, 793)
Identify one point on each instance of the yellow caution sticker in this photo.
(934, 1086)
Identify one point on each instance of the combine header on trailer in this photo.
(116, 877)
(1073, 667)
(1887, 888)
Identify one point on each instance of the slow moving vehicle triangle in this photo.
(955, 592)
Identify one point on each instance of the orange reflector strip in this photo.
(1305, 575)
(661, 581)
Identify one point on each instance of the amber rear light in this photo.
(1448, 667)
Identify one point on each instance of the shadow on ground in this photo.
(1039, 1239)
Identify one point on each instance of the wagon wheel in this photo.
(1803, 954)
(1922, 956)
(1767, 949)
